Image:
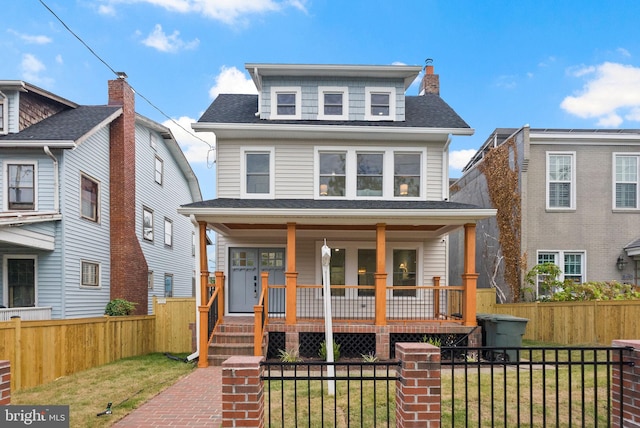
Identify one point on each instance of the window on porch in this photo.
(404, 272)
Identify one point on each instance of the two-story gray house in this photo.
(566, 196)
(89, 197)
(338, 154)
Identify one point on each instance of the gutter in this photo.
(56, 179)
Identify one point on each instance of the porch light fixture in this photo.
(620, 264)
(404, 189)
(324, 190)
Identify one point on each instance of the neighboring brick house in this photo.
(567, 196)
(89, 197)
(338, 153)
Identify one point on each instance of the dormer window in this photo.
(285, 103)
(333, 103)
(380, 104)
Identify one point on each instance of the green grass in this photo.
(126, 383)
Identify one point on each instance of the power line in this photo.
(211, 148)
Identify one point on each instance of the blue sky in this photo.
(549, 64)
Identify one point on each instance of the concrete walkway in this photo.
(193, 401)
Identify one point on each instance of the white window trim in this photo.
(150, 280)
(168, 221)
(153, 141)
(5, 189)
(560, 264)
(4, 122)
(98, 205)
(5, 275)
(614, 182)
(572, 200)
(351, 172)
(243, 172)
(275, 90)
(344, 90)
(155, 170)
(91, 287)
(392, 103)
(145, 210)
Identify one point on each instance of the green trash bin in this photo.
(504, 331)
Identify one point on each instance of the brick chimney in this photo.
(129, 269)
(430, 82)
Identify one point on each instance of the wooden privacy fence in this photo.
(42, 351)
(571, 323)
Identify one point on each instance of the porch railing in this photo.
(26, 314)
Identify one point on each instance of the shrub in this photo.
(118, 307)
(369, 358)
(289, 356)
(323, 351)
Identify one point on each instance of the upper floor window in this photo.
(153, 140)
(561, 180)
(333, 103)
(168, 232)
(626, 179)
(380, 103)
(285, 103)
(359, 173)
(90, 274)
(257, 170)
(147, 224)
(159, 170)
(370, 168)
(89, 198)
(21, 189)
(3, 114)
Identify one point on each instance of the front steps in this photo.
(233, 337)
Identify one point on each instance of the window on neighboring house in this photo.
(404, 272)
(258, 173)
(147, 224)
(89, 197)
(406, 181)
(168, 285)
(627, 173)
(159, 170)
(332, 174)
(285, 103)
(360, 173)
(90, 274)
(168, 232)
(21, 281)
(193, 243)
(333, 103)
(379, 104)
(560, 180)
(150, 280)
(571, 263)
(21, 186)
(3, 114)
(369, 180)
(153, 141)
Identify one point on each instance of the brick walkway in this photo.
(193, 401)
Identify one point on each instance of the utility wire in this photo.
(211, 148)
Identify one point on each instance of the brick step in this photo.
(235, 328)
(231, 349)
(223, 337)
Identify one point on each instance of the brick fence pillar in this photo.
(5, 382)
(418, 389)
(242, 392)
(629, 380)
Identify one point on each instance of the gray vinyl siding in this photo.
(309, 94)
(13, 98)
(164, 199)
(82, 239)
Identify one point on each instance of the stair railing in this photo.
(261, 315)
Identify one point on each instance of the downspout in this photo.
(196, 263)
(56, 189)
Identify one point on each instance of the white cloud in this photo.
(59, 59)
(580, 70)
(612, 91)
(31, 68)
(157, 39)
(28, 38)
(458, 159)
(506, 82)
(227, 11)
(195, 150)
(623, 52)
(232, 81)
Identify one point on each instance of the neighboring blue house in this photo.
(89, 197)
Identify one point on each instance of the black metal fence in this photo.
(298, 394)
(540, 386)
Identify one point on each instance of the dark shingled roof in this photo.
(68, 125)
(424, 111)
(332, 204)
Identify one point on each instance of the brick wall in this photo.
(5, 382)
(629, 378)
(128, 265)
(430, 82)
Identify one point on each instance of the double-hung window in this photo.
(561, 180)
(257, 173)
(370, 177)
(147, 224)
(159, 170)
(3, 114)
(21, 190)
(168, 232)
(406, 180)
(333, 103)
(90, 274)
(286, 103)
(626, 181)
(89, 198)
(380, 104)
(571, 264)
(332, 173)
